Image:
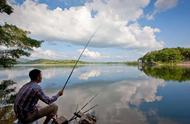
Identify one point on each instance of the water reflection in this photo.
(20, 74)
(126, 95)
(89, 74)
(114, 100)
(168, 72)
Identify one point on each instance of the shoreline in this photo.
(180, 64)
(187, 65)
(67, 65)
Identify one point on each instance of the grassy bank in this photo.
(48, 62)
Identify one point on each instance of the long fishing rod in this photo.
(79, 58)
(88, 102)
(76, 114)
(90, 108)
(83, 107)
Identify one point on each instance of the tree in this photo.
(4, 7)
(167, 55)
(7, 97)
(7, 93)
(15, 40)
(17, 44)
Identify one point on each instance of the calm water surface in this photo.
(127, 95)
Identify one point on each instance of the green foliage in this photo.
(48, 61)
(6, 92)
(8, 57)
(15, 40)
(7, 115)
(133, 63)
(4, 7)
(167, 55)
(185, 53)
(12, 36)
(168, 72)
(72, 62)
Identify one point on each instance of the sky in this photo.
(125, 29)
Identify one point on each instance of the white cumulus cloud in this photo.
(91, 54)
(76, 24)
(45, 54)
(162, 5)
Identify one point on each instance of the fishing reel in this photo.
(85, 118)
(60, 120)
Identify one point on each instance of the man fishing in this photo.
(28, 96)
(25, 103)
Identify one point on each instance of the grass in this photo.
(48, 62)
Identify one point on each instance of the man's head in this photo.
(35, 75)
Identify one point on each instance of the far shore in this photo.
(66, 65)
(71, 64)
(184, 64)
(181, 64)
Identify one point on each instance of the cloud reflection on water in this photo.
(121, 91)
(114, 100)
(20, 74)
(89, 74)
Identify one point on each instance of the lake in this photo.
(126, 94)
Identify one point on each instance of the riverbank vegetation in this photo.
(168, 73)
(48, 61)
(166, 56)
(69, 62)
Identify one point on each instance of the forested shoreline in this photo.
(167, 56)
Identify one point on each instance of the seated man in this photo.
(27, 98)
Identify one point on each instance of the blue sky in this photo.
(127, 29)
(173, 24)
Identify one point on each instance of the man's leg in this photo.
(48, 111)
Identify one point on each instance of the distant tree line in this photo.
(167, 55)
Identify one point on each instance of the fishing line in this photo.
(79, 58)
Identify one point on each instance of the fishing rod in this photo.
(76, 114)
(90, 108)
(83, 107)
(79, 59)
(88, 102)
